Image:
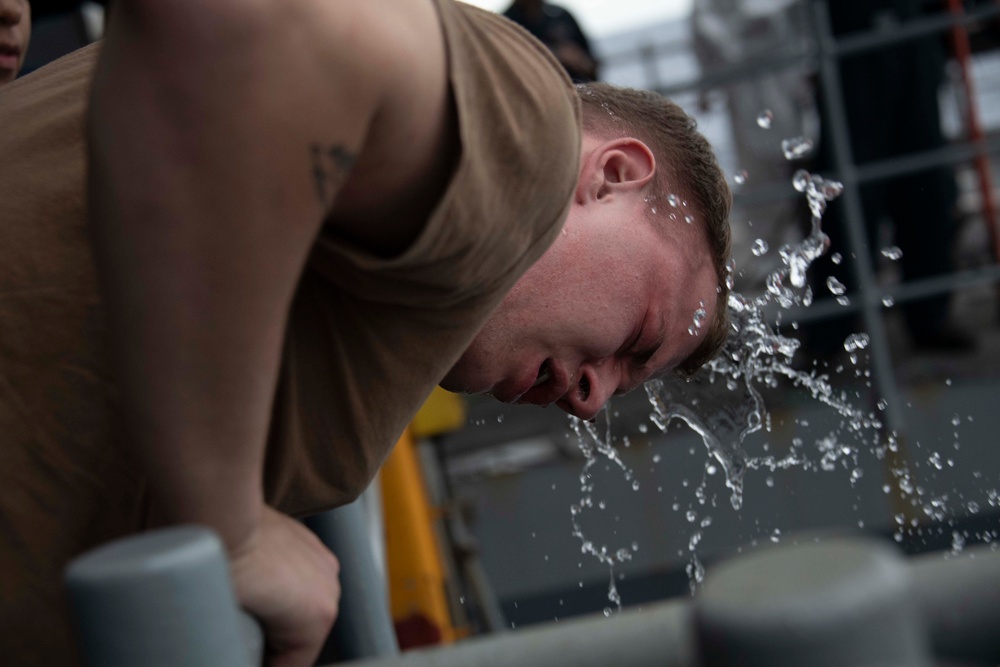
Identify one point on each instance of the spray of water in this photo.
(723, 404)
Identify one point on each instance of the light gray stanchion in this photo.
(164, 599)
(160, 599)
(959, 597)
(832, 604)
(364, 627)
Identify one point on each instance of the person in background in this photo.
(890, 97)
(556, 28)
(15, 33)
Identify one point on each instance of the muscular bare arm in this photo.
(221, 133)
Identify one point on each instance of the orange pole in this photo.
(963, 53)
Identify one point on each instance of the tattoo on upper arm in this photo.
(330, 166)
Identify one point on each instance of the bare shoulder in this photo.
(342, 106)
(412, 144)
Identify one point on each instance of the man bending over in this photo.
(302, 216)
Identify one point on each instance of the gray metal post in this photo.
(163, 599)
(960, 599)
(840, 602)
(839, 136)
(364, 626)
(836, 603)
(160, 599)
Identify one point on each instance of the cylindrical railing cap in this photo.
(159, 599)
(845, 602)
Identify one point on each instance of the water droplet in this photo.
(607, 611)
(888, 301)
(835, 286)
(759, 247)
(656, 458)
(892, 252)
(956, 420)
(500, 419)
(836, 258)
(643, 428)
(796, 147)
(831, 190)
(765, 119)
(801, 180)
(673, 200)
(739, 177)
(688, 219)
(882, 404)
(769, 481)
(857, 341)
(635, 485)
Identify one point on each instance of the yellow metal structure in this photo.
(443, 412)
(417, 574)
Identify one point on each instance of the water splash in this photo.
(723, 404)
(596, 446)
(892, 253)
(724, 419)
(698, 320)
(796, 148)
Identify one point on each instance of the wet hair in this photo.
(686, 167)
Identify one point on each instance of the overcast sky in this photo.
(607, 17)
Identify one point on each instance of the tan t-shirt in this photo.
(370, 338)
(367, 341)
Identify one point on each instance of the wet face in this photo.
(605, 309)
(15, 32)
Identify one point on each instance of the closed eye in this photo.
(640, 359)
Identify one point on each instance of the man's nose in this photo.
(595, 383)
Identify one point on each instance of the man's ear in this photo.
(617, 165)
